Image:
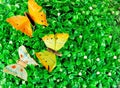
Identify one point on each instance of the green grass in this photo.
(91, 56)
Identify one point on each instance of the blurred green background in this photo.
(91, 56)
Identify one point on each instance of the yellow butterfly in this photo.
(35, 14)
(18, 69)
(54, 42)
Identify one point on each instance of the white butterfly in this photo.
(18, 69)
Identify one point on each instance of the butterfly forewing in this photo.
(21, 23)
(49, 41)
(47, 59)
(60, 40)
(56, 41)
(36, 13)
(24, 56)
(16, 70)
(33, 7)
(40, 18)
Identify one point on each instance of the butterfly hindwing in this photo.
(36, 13)
(49, 41)
(21, 23)
(24, 56)
(60, 40)
(16, 70)
(48, 59)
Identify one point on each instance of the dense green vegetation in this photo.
(91, 56)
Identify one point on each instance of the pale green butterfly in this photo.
(18, 68)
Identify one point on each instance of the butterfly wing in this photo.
(24, 56)
(49, 41)
(16, 70)
(21, 23)
(60, 40)
(33, 6)
(36, 13)
(47, 59)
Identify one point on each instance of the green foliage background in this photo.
(91, 56)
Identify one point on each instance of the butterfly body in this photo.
(29, 17)
(54, 42)
(55, 52)
(18, 68)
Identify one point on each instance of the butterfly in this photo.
(54, 42)
(23, 23)
(18, 68)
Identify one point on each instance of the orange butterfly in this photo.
(35, 14)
